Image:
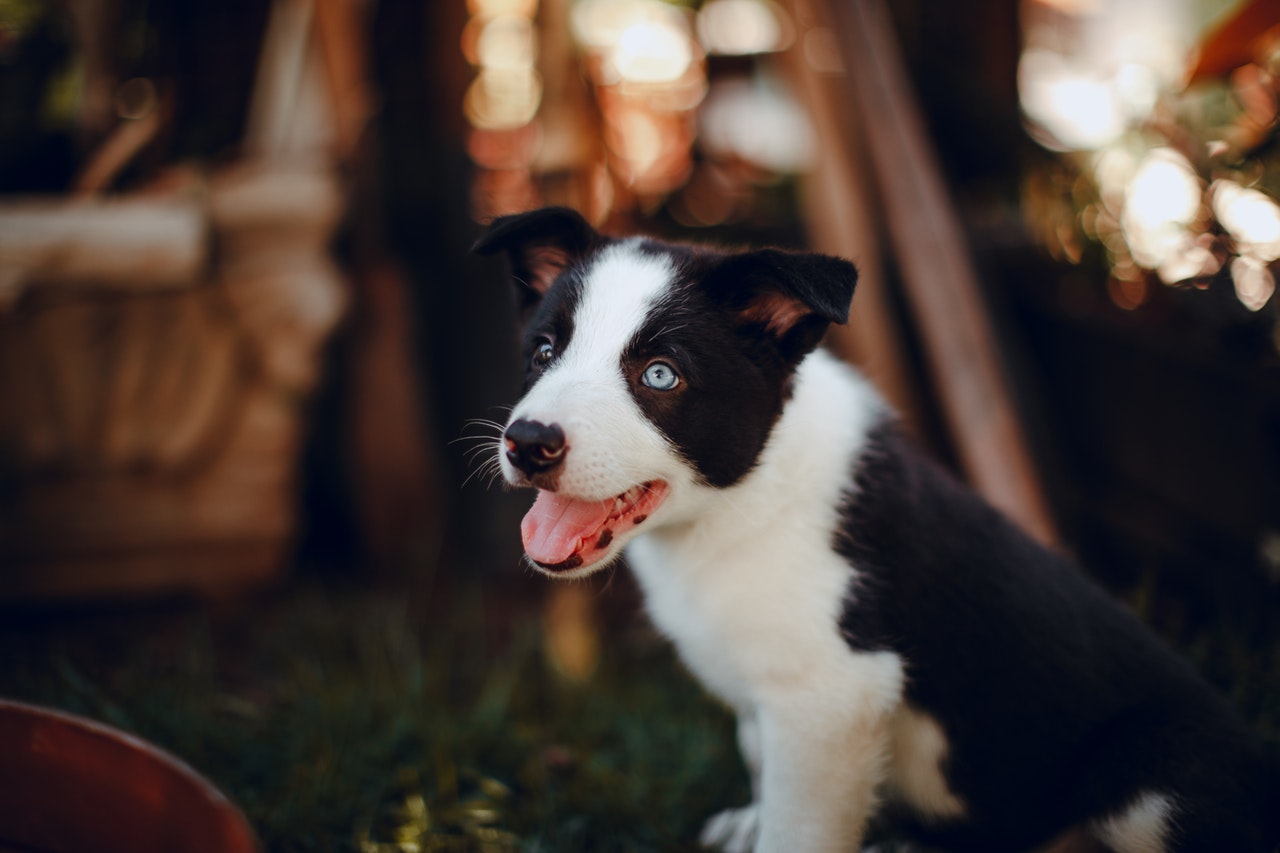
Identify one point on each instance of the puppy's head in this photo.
(654, 374)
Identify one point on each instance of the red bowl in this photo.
(69, 785)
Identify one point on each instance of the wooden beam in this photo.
(839, 204)
(937, 269)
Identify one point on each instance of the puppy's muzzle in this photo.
(534, 448)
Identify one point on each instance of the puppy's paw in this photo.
(733, 830)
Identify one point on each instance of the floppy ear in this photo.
(791, 296)
(539, 244)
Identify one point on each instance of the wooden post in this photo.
(840, 208)
(937, 270)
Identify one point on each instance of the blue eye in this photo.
(660, 376)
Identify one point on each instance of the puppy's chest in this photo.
(748, 615)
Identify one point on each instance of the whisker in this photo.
(480, 429)
(488, 469)
(483, 452)
(490, 438)
(484, 423)
(483, 436)
(493, 476)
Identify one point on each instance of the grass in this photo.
(348, 720)
(353, 719)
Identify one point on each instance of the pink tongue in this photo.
(552, 527)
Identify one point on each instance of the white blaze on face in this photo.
(611, 446)
(621, 288)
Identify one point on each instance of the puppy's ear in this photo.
(791, 296)
(539, 244)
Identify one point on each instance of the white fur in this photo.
(1143, 827)
(919, 748)
(751, 592)
(733, 830)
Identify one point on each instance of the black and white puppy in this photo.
(891, 645)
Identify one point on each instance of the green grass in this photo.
(345, 720)
(349, 719)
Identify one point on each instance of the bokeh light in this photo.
(1163, 199)
(599, 25)
(507, 43)
(1251, 218)
(755, 120)
(498, 8)
(652, 52)
(1172, 181)
(1253, 282)
(503, 99)
(743, 27)
(620, 113)
(1092, 70)
(1079, 110)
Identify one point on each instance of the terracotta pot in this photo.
(69, 785)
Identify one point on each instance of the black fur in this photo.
(1058, 705)
(538, 244)
(550, 319)
(724, 408)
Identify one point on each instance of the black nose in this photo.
(534, 447)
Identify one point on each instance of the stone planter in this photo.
(156, 358)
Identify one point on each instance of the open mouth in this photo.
(561, 532)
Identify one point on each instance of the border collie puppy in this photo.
(892, 646)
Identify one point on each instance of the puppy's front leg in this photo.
(750, 747)
(821, 768)
(735, 830)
